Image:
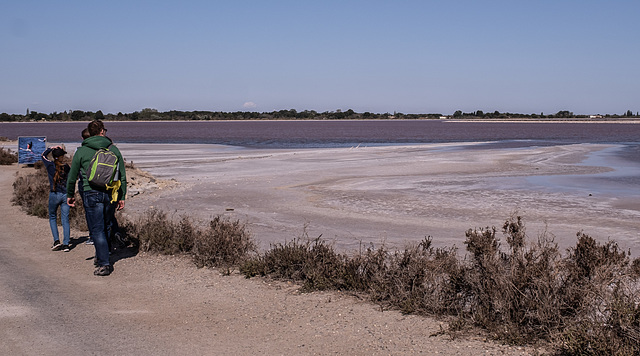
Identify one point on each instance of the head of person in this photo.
(96, 128)
(85, 133)
(58, 160)
(58, 153)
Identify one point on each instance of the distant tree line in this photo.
(149, 114)
(563, 114)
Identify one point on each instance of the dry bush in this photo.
(513, 294)
(7, 157)
(31, 193)
(602, 299)
(223, 244)
(414, 280)
(521, 293)
(365, 272)
(313, 262)
(153, 231)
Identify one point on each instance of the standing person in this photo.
(85, 135)
(99, 205)
(58, 170)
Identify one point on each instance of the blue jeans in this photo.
(100, 213)
(59, 200)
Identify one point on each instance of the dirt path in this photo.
(51, 303)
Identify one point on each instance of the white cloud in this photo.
(249, 105)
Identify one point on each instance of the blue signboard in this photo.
(30, 149)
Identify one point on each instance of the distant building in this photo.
(595, 116)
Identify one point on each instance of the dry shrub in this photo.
(313, 262)
(223, 244)
(601, 295)
(585, 304)
(31, 193)
(7, 157)
(153, 231)
(414, 280)
(513, 294)
(635, 268)
(365, 272)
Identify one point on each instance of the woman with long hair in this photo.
(58, 170)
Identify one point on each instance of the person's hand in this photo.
(71, 202)
(120, 205)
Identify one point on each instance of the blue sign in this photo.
(30, 149)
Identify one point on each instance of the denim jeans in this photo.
(59, 200)
(100, 214)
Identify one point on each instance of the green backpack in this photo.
(103, 169)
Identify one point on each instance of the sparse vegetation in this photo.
(7, 157)
(586, 302)
(224, 243)
(31, 193)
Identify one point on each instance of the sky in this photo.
(408, 56)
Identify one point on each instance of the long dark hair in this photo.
(60, 170)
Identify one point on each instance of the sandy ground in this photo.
(51, 303)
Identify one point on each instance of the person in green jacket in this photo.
(98, 203)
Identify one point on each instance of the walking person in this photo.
(58, 170)
(100, 203)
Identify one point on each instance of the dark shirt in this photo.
(61, 187)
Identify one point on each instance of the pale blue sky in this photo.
(378, 56)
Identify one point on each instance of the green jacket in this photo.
(82, 161)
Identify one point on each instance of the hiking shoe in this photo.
(65, 248)
(89, 241)
(56, 246)
(103, 271)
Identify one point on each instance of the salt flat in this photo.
(394, 194)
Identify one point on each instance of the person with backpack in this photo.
(58, 170)
(105, 188)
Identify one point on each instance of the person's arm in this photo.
(45, 153)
